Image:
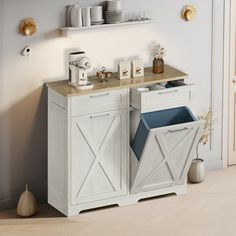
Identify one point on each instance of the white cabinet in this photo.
(89, 162)
(98, 156)
(88, 155)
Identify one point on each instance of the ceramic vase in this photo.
(27, 204)
(197, 171)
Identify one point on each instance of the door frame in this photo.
(215, 149)
(229, 38)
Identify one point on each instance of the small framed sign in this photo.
(124, 70)
(137, 68)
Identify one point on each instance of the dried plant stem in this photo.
(197, 150)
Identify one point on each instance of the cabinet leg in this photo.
(127, 202)
(181, 192)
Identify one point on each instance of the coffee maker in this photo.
(78, 66)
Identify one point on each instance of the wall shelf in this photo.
(66, 31)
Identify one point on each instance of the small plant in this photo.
(197, 170)
(207, 117)
(158, 52)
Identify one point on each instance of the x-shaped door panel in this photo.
(101, 136)
(165, 161)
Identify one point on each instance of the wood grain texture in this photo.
(99, 157)
(57, 150)
(170, 74)
(166, 157)
(88, 150)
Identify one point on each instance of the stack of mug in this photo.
(84, 17)
(97, 15)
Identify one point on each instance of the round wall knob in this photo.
(28, 27)
(188, 13)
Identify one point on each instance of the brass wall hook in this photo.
(189, 12)
(28, 27)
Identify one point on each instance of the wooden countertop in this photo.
(170, 74)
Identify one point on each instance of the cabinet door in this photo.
(99, 156)
(166, 157)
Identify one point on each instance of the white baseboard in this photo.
(39, 191)
(12, 203)
(8, 204)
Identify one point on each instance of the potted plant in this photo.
(196, 172)
(158, 53)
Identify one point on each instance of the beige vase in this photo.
(27, 204)
(197, 171)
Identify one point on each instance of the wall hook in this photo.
(189, 12)
(28, 27)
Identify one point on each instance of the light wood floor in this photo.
(208, 209)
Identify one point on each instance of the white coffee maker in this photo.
(78, 66)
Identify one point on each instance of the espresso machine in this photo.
(78, 67)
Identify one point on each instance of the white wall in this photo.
(23, 122)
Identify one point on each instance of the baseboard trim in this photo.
(10, 203)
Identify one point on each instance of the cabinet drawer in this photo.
(99, 102)
(154, 99)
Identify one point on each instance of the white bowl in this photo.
(143, 90)
(156, 87)
(98, 22)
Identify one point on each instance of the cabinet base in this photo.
(120, 201)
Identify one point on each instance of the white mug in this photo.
(96, 14)
(86, 16)
(76, 16)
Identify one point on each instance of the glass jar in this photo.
(158, 66)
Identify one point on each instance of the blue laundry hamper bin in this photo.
(158, 119)
(163, 148)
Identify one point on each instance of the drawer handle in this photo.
(100, 95)
(168, 92)
(99, 116)
(178, 130)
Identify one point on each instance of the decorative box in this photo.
(124, 70)
(137, 68)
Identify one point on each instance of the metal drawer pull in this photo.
(178, 130)
(168, 92)
(100, 95)
(99, 116)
